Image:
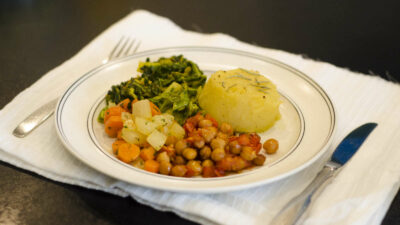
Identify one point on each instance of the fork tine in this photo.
(115, 48)
(129, 47)
(137, 46)
(122, 47)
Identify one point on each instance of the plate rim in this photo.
(276, 62)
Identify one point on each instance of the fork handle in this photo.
(35, 119)
(294, 210)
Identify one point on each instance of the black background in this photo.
(36, 36)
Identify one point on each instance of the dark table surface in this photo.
(37, 36)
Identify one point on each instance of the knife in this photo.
(293, 212)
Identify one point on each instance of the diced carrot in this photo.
(154, 109)
(147, 153)
(124, 103)
(116, 145)
(113, 111)
(128, 152)
(152, 166)
(119, 135)
(208, 171)
(113, 125)
(135, 151)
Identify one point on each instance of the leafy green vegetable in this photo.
(100, 118)
(173, 84)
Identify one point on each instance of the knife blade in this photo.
(293, 211)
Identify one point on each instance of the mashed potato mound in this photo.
(245, 99)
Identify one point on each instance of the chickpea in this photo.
(248, 153)
(199, 142)
(218, 154)
(205, 152)
(170, 140)
(179, 146)
(218, 143)
(271, 146)
(207, 162)
(259, 160)
(208, 133)
(178, 170)
(205, 123)
(234, 147)
(195, 166)
(165, 167)
(238, 163)
(197, 118)
(162, 157)
(223, 136)
(179, 160)
(226, 128)
(244, 140)
(189, 153)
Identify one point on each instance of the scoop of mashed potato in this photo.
(245, 99)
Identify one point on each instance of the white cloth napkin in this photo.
(360, 194)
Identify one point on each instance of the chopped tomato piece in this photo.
(214, 122)
(208, 171)
(189, 127)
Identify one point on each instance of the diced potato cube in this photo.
(132, 136)
(177, 131)
(144, 126)
(163, 120)
(129, 124)
(138, 162)
(156, 139)
(142, 109)
(164, 130)
(126, 116)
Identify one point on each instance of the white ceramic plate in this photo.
(304, 131)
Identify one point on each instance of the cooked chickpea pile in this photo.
(208, 150)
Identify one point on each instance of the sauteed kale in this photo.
(173, 84)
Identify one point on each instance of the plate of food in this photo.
(196, 119)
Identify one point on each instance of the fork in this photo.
(124, 47)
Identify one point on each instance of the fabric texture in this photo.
(360, 194)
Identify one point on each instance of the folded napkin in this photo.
(360, 194)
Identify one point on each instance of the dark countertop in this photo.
(37, 36)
